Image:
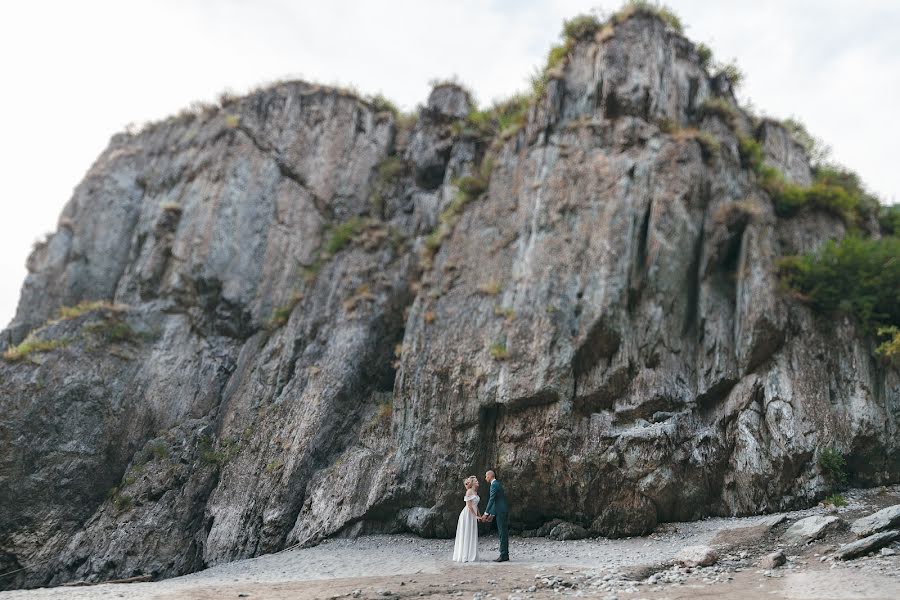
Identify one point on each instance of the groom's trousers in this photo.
(503, 529)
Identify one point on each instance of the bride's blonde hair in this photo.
(468, 481)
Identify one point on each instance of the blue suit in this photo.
(498, 507)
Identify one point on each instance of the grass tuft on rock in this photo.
(83, 307)
(31, 345)
(648, 8)
(498, 351)
(836, 500)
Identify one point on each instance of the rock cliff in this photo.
(298, 315)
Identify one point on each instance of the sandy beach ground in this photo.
(404, 566)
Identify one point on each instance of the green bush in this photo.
(501, 118)
(121, 502)
(381, 104)
(498, 351)
(704, 53)
(890, 348)
(889, 219)
(732, 73)
(111, 331)
(834, 465)
(227, 450)
(856, 276)
(719, 107)
(390, 169)
(648, 8)
(834, 189)
(580, 27)
(342, 234)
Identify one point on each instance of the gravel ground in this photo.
(407, 566)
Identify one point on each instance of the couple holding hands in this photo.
(465, 549)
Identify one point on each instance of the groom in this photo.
(497, 507)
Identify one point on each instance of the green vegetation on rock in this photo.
(834, 465)
(856, 276)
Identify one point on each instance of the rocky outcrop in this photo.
(285, 353)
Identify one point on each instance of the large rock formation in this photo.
(279, 357)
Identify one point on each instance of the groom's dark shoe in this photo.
(501, 559)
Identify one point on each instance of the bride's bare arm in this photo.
(472, 508)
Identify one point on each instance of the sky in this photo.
(74, 73)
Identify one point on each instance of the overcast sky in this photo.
(75, 72)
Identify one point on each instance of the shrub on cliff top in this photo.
(704, 53)
(834, 189)
(580, 26)
(732, 72)
(648, 8)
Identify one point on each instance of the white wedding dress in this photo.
(465, 549)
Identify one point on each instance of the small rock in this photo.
(886, 518)
(696, 556)
(811, 528)
(866, 545)
(772, 560)
(888, 552)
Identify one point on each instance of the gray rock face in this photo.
(277, 364)
(782, 151)
(811, 528)
(886, 518)
(866, 545)
(449, 100)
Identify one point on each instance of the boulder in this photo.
(696, 556)
(866, 545)
(886, 518)
(772, 560)
(811, 528)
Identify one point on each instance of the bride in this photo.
(466, 547)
